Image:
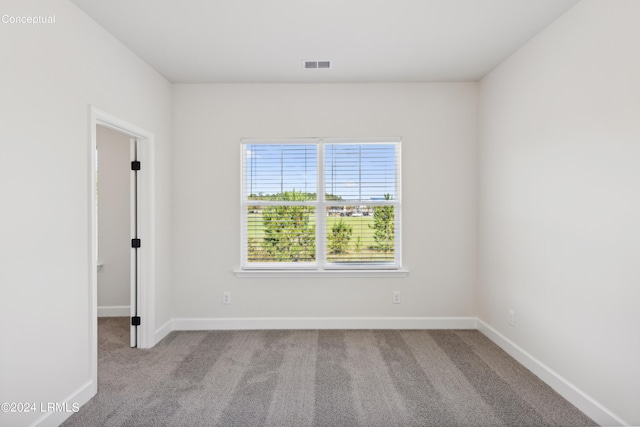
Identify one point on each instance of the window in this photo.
(321, 204)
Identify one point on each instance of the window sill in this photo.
(320, 273)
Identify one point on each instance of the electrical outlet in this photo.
(396, 297)
(512, 318)
(226, 297)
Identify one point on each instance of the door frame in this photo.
(146, 227)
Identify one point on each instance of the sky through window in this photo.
(351, 171)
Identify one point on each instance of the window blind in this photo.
(318, 203)
(361, 185)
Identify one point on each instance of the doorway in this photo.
(140, 241)
(117, 226)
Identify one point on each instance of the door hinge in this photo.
(135, 165)
(135, 321)
(135, 243)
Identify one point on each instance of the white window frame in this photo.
(321, 265)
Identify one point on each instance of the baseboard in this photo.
(573, 394)
(162, 332)
(190, 324)
(68, 406)
(114, 311)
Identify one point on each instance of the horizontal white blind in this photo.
(361, 172)
(361, 185)
(320, 204)
(280, 171)
(280, 180)
(285, 234)
(362, 234)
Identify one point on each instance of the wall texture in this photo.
(560, 200)
(49, 76)
(437, 123)
(114, 222)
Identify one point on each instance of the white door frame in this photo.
(146, 227)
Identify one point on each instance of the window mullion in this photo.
(321, 217)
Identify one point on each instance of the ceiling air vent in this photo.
(308, 65)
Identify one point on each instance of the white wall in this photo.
(49, 76)
(114, 222)
(437, 123)
(560, 201)
(559, 186)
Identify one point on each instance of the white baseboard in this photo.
(68, 406)
(577, 397)
(114, 311)
(187, 324)
(162, 332)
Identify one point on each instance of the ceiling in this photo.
(267, 41)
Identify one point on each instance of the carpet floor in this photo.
(317, 378)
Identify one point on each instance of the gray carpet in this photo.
(317, 378)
